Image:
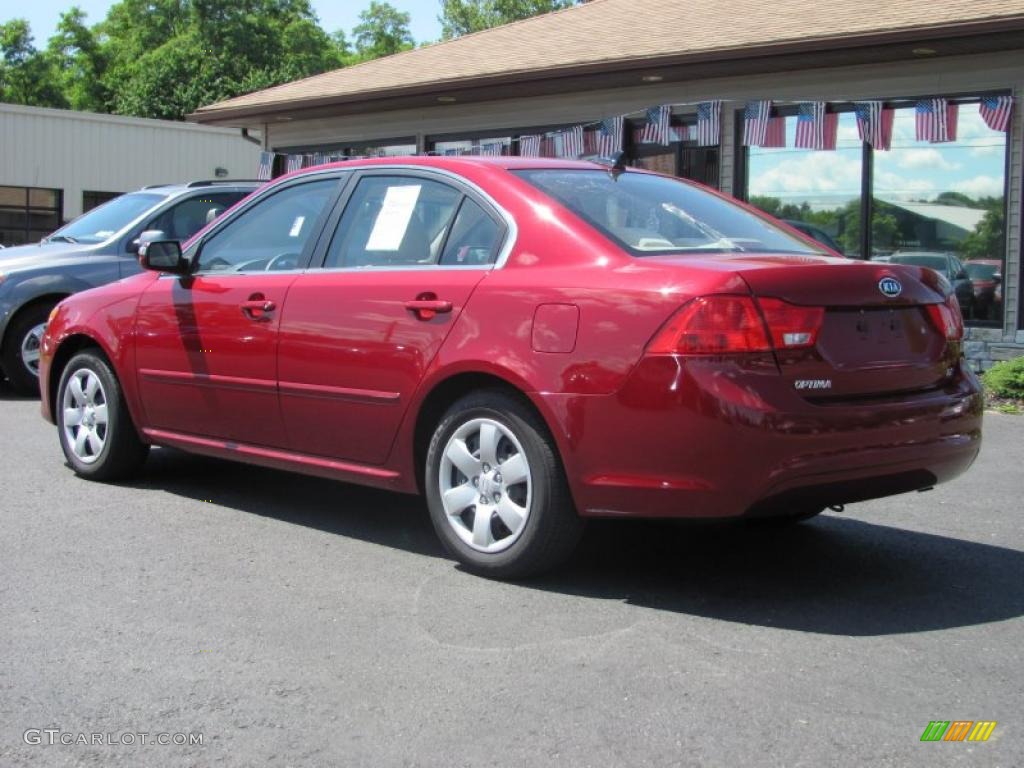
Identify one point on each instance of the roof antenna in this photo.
(615, 162)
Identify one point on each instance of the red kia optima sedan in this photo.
(528, 343)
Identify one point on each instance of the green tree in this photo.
(166, 58)
(987, 241)
(460, 17)
(79, 63)
(27, 76)
(382, 31)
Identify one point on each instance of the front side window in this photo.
(649, 214)
(270, 235)
(181, 221)
(393, 221)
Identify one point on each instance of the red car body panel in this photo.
(342, 371)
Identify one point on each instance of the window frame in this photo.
(329, 230)
(194, 250)
(27, 210)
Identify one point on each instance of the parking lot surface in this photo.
(294, 621)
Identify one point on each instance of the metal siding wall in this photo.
(74, 152)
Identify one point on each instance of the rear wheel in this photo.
(21, 349)
(496, 489)
(96, 431)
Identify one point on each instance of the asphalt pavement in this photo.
(289, 621)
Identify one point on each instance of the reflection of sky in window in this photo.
(911, 170)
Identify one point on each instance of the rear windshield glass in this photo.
(981, 271)
(110, 218)
(938, 263)
(649, 214)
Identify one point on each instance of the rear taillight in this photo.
(791, 326)
(719, 325)
(947, 318)
(713, 325)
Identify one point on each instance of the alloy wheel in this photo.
(30, 345)
(85, 417)
(486, 485)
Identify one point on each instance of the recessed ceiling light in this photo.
(924, 51)
(284, 119)
(446, 99)
(652, 78)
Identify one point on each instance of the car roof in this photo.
(465, 162)
(182, 187)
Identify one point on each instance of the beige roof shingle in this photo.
(604, 32)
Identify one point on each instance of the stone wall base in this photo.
(984, 347)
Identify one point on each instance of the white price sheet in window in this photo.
(393, 218)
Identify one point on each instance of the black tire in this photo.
(551, 529)
(122, 452)
(21, 379)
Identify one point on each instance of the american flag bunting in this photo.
(996, 112)
(293, 163)
(656, 131)
(529, 146)
(265, 169)
(755, 122)
(935, 120)
(709, 123)
(609, 136)
(775, 133)
(810, 125)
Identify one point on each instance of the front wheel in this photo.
(496, 489)
(96, 431)
(21, 350)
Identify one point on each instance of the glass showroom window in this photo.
(490, 145)
(946, 198)
(819, 191)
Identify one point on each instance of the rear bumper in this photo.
(686, 439)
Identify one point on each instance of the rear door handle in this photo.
(258, 308)
(426, 308)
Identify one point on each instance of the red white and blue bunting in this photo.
(816, 129)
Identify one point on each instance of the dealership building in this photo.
(56, 164)
(960, 193)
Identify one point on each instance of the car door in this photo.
(358, 334)
(206, 343)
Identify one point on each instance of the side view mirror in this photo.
(962, 275)
(997, 277)
(163, 256)
(148, 236)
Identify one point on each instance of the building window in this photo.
(682, 157)
(92, 199)
(486, 145)
(818, 190)
(28, 214)
(950, 198)
(945, 198)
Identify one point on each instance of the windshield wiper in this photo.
(59, 239)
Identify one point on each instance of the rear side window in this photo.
(393, 221)
(474, 238)
(648, 214)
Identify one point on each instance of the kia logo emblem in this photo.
(890, 287)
